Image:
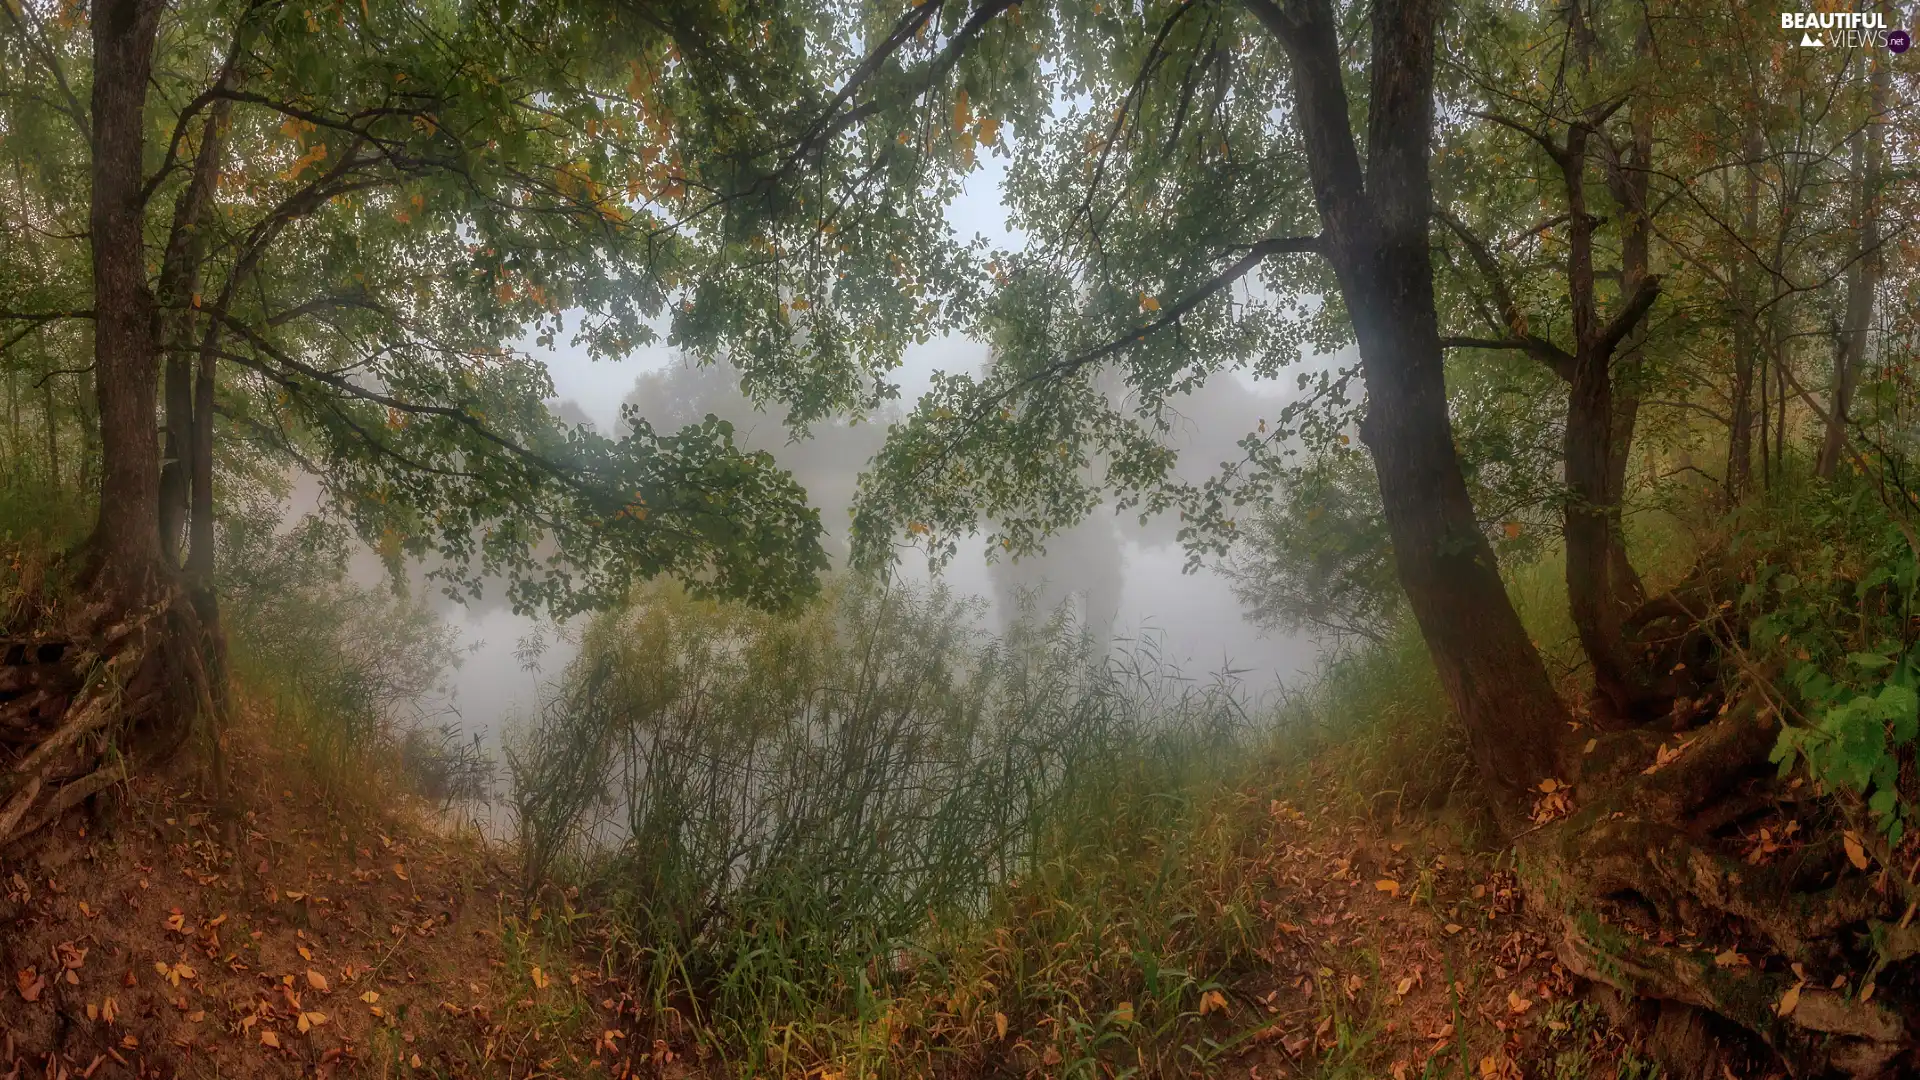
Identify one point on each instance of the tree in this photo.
(356, 213)
(1143, 212)
(1179, 225)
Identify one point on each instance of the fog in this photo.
(1125, 579)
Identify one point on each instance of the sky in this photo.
(1122, 577)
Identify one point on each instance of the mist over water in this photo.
(1124, 579)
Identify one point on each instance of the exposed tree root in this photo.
(77, 715)
(1660, 889)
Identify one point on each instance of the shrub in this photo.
(772, 810)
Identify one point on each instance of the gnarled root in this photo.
(75, 717)
(1651, 894)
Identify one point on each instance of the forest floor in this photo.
(364, 937)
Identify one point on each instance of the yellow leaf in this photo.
(1123, 1013)
(305, 954)
(1517, 1004)
(1549, 785)
(1388, 885)
(1788, 1001)
(1404, 987)
(268, 1038)
(1000, 1024)
(316, 980)
(1212, 1000)
(540, 979)
(1148, 303)
(1856, 854)
(400, 871)
(370, 996)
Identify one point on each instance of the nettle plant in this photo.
(1837, 619)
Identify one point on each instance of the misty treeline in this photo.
(1543, 282)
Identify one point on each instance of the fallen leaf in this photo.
(1788, 1001)
(1517, 1004)
(1123, 1013)
(268, 1038)
(1405, 986)
(1856, 854)
(540, 979)
(370, 996)
(316, 980)
(400, 871)
(1454, 928)
(311, 1020)
(1212, 1000)
(1000, 1024)
(31, 983)
(1388, 885)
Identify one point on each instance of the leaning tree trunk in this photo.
(1646, 864)
(1376, 234)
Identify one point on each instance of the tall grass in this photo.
(772, 812)
(355, 674)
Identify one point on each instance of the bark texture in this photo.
(125, 549)
(1376, 222)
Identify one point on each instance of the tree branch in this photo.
(1557, 358)
(1629, 315)
(1239, 269)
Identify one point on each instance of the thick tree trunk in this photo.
(1376, 233)
(1486, 662)
(125, 549)
(1862, 275)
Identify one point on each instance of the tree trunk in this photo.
(1744, 313)
(200, 461)
(1602, 588)
(53, 426)
(1862, 274)
(1376, 234)
(179, 299)
(1740, 415)
(125, 548)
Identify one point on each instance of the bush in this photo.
(771, 811)
(357, 672)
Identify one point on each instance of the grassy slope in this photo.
(1238, 933)
(1331, 910)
